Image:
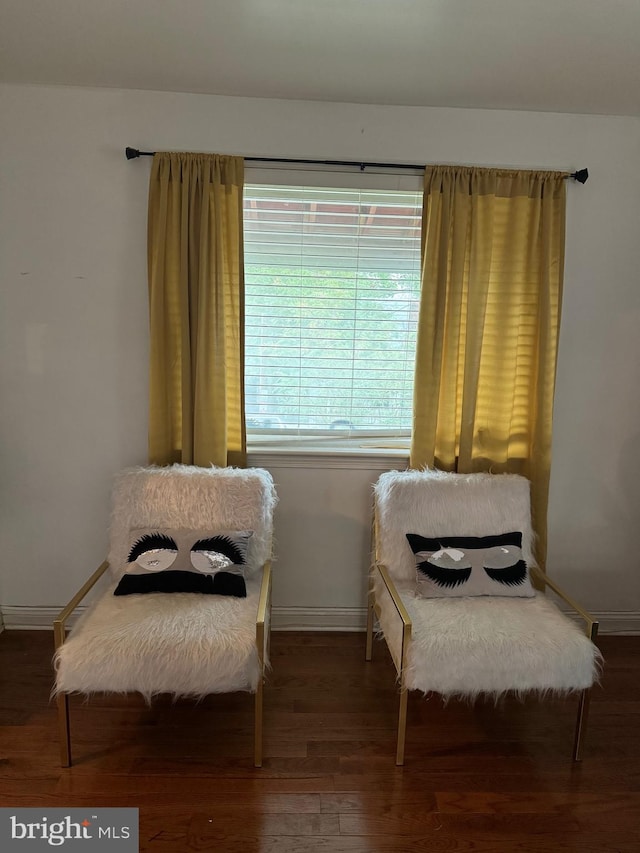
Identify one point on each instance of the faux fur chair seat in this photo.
(465, 647)
(184, 644)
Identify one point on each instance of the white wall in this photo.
(73, 346)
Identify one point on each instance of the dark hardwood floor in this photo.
(479, 778)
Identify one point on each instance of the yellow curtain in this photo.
(493, 254)
(196, 304)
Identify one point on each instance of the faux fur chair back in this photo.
(435, 503)
(184, 496)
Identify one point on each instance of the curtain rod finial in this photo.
(581, 175)
(134, 153)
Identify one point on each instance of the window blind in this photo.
(332, 279)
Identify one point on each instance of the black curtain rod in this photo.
(580, 175)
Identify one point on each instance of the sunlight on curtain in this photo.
(493, 252)
(196, 304)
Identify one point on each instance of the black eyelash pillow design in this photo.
(455, 566)
(202, 561)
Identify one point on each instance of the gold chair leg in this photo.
(257, 755)
(262, 645)
(370, 611)
(402, 726)
(581, 724)
(63, 729)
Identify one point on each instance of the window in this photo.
(332, 277)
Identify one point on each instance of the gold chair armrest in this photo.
(264, 605)
(399, 655)
(265, 591)
(591, 623)
(59, 623)
(395, 595)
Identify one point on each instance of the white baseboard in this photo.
(33, 618)
(319, 618)
(300, 619)
(612, 622)
(282, 618)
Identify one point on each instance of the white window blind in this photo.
(332, 288)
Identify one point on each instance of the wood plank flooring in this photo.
(484, 779)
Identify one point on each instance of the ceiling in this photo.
(577, 56)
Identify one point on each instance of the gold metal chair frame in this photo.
(400, 658)
(263, 641)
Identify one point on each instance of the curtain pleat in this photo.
(196, 307)
(493, 254)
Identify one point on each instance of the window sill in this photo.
(380, 458)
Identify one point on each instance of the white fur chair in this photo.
(468, 646)
(181, 643)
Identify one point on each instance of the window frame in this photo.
(380, 442)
